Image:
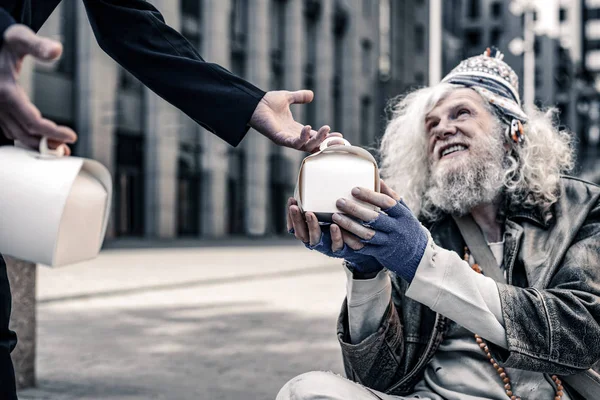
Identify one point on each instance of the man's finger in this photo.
(53, 145)
(25, 41)
(11, 125)
(385, 189)
(314, 143)
(22, 109)
(352, 241)
(301, 96)
(337, 241)
(8, 131)
(55, 132)
(354, 227)
(300, 228)
(314, 230)
(380, 200)
(291, 202)
(353, 208)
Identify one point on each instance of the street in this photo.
(186, 323)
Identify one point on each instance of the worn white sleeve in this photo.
(446, 283)
(367, 300)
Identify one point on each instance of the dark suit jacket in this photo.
(135, 35)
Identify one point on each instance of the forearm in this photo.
(447, 284)
(367, 301)
(134, 33)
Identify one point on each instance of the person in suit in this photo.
(134, 34)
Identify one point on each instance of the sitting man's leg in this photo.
(329, 386)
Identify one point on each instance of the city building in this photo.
(171, 177)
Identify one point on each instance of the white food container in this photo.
(53, 210)
(330, 174)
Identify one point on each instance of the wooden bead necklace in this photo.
(498, 368)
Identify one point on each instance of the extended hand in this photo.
(273, 118)
(19, 118)
(395, 237)
(329, 241)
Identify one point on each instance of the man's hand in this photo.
(19, 118)
(393, 237)
(273, 118)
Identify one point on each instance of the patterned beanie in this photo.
(496, 82)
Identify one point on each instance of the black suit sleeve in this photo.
(135, 35)
(6, 20)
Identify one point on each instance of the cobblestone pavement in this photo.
(186, 323)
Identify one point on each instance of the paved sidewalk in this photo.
(233, 322)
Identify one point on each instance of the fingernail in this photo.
(341, 203)
(355, 191)
(336, 217)
(309, 217)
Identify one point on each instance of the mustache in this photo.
(449, 143)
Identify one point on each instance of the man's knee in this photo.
(312, 385)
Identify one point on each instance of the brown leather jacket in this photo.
(551, 304)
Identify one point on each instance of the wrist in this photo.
(364, 275)
(363, 272)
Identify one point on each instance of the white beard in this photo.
(476, 178)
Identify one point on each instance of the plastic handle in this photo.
(325, 142)
(45, 150)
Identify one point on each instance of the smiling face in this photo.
(465, 152)
(455, 127)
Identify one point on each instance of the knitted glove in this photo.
(399, 242)
(362, 263)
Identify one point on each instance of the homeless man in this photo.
(482, 281)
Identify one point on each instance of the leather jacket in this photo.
(550, 305)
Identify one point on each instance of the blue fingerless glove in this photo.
(399, 242)
(361, 263)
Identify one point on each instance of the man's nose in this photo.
(444, 129)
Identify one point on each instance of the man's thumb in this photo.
(301, 96)
(25, 42)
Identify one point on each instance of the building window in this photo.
(592, 13)
(191, 18)
(419, 39)
(495, 36)
(365, 121)
(239, 30)
(129, 185)
(236, 192)
(66, 64)
(419, 79)
(366, 57)
(281, 189)
(367, 8)
(277, 43)
(311, 59)
(496, 9)
(473, 37)
(239, 25)
(474, 10)
(562, 14)
(189, 176)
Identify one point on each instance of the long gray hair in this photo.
(533, 168)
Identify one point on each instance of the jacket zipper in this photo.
(438, 326)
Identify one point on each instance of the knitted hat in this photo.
(494, 80)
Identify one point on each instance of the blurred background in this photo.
(200, 293)
(174, 179)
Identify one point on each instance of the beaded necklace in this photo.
(498, 368)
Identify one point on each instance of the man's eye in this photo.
(463, 111)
